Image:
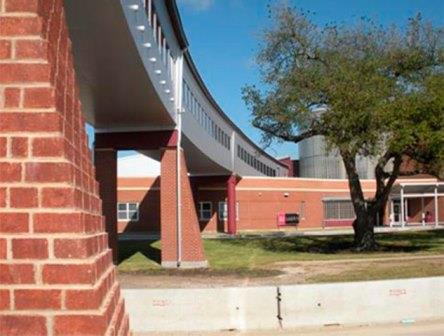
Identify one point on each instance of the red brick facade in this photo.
(105, 162)
(192, 253)
(259, 199)
(56, 271)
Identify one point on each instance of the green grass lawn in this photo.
(252, 256)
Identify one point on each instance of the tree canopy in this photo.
(369, 90)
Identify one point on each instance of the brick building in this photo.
(320, 203)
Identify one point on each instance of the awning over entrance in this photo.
(403, 197)
(417, 189)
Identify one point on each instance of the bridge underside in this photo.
(115, 90)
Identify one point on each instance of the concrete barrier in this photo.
(239, 308)
(362, 302)
(252, 308)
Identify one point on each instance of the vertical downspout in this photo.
(179, 189)
(436, 206)
(402, 206)
(179, 111)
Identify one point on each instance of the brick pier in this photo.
(56, 270)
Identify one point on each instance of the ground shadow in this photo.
(146, 247)
(394, 243)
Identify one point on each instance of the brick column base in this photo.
(191, 242)
(56, 271)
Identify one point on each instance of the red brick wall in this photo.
(105, 162)
(146, 192)
(260, 199)
(56, 273)
(192, 247)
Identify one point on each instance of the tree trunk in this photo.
(363, 226)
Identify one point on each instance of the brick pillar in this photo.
(192, 248)
(105, 162)
(231, 205)
(56, 271)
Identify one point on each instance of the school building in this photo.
(262, 202)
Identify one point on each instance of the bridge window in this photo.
(205, 210)
(200, 114)
(149, 8)
(252, 161)
(128, 211)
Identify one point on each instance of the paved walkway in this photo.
(287, 232)
(435, 328)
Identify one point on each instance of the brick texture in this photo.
(56, 270)
(192, 247)
(106, 174)
(259, 202)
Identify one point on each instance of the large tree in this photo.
(369, 90)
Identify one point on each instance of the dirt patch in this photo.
(284, 273)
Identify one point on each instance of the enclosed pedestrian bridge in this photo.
(136, 74)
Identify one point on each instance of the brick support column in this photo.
(231, 205)
(192, 255)
(105, 162)
(56, 271)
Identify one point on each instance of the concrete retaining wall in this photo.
(362, 302)
(249, 308)
(238, 308)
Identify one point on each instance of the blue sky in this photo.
(223, 36)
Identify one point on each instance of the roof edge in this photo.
(173, 12)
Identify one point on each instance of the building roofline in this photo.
(173, 12)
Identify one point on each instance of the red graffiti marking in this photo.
(397, 292)
(160, 303)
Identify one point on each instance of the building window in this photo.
(338, 209)
(205, 210)
(223, 211)
(128, 211)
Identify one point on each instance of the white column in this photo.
(422, 212)
(402, 207)
(436, 206)
(392, 213)
(179, 112)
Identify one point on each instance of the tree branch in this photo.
(285, 135)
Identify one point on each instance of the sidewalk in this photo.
(432, 328)
(294, 232)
